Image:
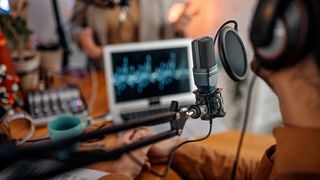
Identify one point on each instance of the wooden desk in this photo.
(84, 83)
(253, 147)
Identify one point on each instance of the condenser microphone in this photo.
(209, 101)
(205, 69)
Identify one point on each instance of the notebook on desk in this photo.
(143, 78)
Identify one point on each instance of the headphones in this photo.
(284, 31)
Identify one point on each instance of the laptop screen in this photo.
(4, 7)
(150, 73)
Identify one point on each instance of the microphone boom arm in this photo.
(176, 117)
(84, 158)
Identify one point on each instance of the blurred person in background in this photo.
(94, 25)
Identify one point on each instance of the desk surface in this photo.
(253, 147)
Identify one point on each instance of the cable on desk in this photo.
(94, 87)
(245, 122)
(100, 126)
(171, 155)
(38, 139)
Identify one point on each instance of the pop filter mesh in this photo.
(235, 54)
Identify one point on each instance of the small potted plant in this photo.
(26, 61)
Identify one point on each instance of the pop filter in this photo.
(232, 53)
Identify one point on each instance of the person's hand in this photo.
(159, 152)
(125, 165)
(298, 90)
(85, 39)
(180, 25)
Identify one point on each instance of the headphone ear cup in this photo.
(232, 53)
(262, 24)
(315, 28)
(289, 38)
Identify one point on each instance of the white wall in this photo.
(42, 22)
(41, 18)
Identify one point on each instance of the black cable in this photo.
(245, 122)
(102, 125)
(171, 155)
(222, 26)
(38, 139)
(62, 37)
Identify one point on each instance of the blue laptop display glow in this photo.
(150, 73)
(4, 7)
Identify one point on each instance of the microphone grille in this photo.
(235, 53)
(203, 53)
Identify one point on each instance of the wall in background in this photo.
(42, 22)
(41, 18)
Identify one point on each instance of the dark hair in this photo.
(316, 6)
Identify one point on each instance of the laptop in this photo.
(145, 77)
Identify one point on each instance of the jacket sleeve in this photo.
(265, 167)
(115, 176)
(195, 161)
(297, 153)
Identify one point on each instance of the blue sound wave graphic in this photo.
(142, 76)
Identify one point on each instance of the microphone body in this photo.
(209, 102)
(205, 69)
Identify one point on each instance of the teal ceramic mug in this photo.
(67, 126)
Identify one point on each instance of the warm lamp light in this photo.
(175, 12)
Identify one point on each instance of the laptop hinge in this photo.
(154, 101)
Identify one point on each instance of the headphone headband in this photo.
(264, 21)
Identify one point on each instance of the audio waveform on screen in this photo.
(142, 75)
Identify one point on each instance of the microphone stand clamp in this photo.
(208, 106)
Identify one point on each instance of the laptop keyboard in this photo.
(127, 116)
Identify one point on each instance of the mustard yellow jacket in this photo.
(296, 156)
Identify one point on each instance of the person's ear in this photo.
(263, 73)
